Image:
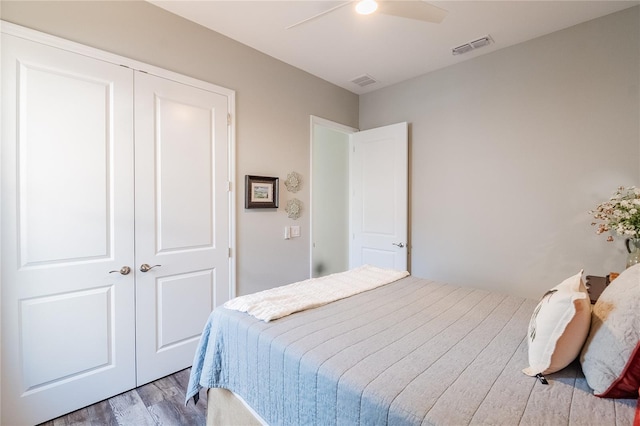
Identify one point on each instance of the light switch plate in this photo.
(295, 231)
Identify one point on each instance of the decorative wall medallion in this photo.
(293, 208)
(293, 182)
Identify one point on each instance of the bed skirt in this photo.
(224, 408)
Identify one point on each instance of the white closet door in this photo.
(182, 219)
(67, 221)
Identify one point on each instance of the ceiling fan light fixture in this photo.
(366, 7)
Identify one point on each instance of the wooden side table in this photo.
(595, 286)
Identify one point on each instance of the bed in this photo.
(410, 352)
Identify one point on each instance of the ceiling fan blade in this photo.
(318, 15)
(416, 9)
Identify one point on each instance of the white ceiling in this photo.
(342, 45)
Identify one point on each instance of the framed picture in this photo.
(261, 192)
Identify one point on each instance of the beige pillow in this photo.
(611, 356)
(559, 327)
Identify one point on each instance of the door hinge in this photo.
(229, 252)
(228, 119)
(229, 186)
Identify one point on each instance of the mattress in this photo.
(411, 352)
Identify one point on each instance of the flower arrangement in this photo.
(621, 214)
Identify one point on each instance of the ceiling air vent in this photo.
(472, 45)
(364, 80)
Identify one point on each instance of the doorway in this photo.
(359, 197)
(330, 144)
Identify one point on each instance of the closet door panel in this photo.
(67, 221)
(63, 115)
(184, 164)
(182, 219)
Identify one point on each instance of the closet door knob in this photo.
(145, 267)
(398, 244)
(124, 270)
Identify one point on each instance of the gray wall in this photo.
(511, 149)
(508, 150)
(273, 105)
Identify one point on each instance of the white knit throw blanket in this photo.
(282, 301)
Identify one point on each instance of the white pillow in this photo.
(611, 355)
(559, 327)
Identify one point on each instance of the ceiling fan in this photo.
(411, 9)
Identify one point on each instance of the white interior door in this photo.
(379, 209)
(182, 219)
(71, 307)
(67, 221)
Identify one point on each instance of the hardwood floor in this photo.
(157, 403)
